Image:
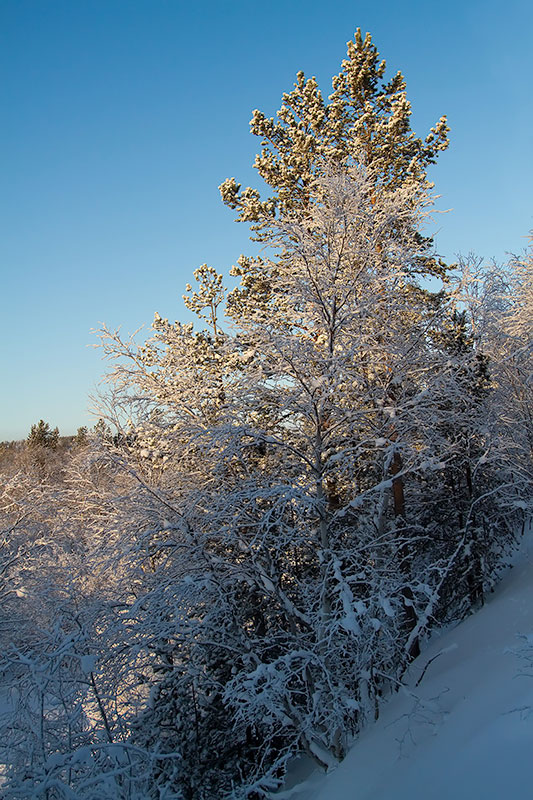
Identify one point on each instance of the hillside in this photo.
(466, 731)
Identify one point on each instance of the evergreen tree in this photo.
(102, 430)
(41, 435)
(366, 122)
(81, 439)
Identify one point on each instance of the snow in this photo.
(87, 664)
(466, 731)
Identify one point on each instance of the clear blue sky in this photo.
(120, 118)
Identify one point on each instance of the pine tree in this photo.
(41, 435)
(365, 122)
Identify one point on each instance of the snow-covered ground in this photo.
(466, 731)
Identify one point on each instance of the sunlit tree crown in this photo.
(366, 121)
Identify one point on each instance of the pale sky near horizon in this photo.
(120, 118)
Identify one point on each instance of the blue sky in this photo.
(119, 119)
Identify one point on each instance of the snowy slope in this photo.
(466, 732)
